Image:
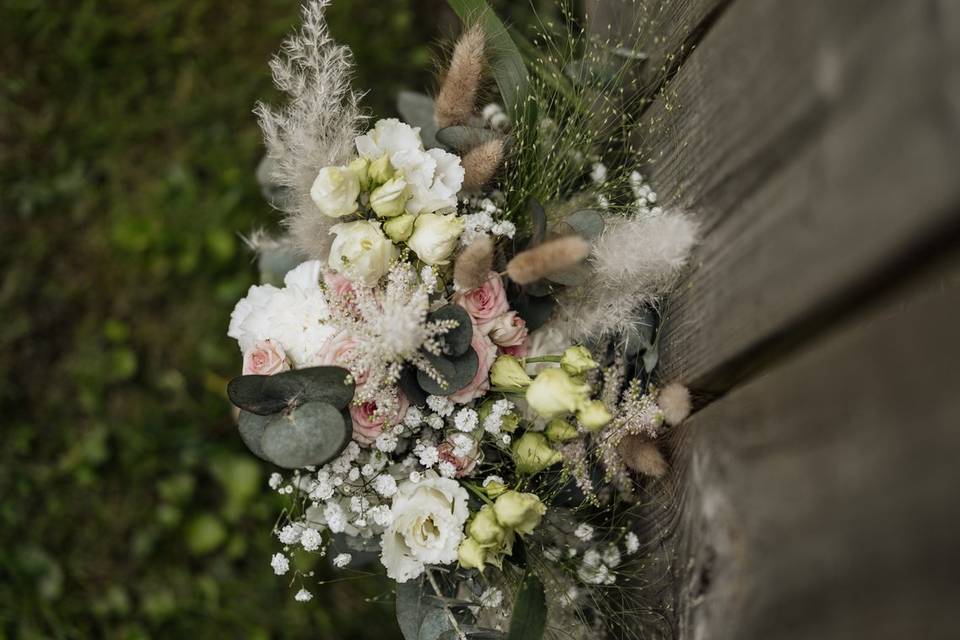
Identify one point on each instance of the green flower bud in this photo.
(485, 529)
(400, 228)
(522, 512)
(380, 170)
(494, 488)
(471, 554)
(554, 393)
(532, 454)
(359, 167)
(390, 198)
(508, 372)
(594, 415)
(577, 361)
(559, 430)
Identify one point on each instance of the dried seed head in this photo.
(674, 401)
(550, 257)
(458, 92)
(481, 163)
(472, 267)
(642, 456)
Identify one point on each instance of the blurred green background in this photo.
(128, 506)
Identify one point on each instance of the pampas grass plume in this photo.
(550, 257)
(481, 163)
(642, 456)
(674, 401)
(458, 92)
(472, 267)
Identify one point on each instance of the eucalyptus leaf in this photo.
(474, 633)
(509, 69)
(311, 434)
(251, 427)
(276, 195)
(411, 608)
(457, 340)
(535, 310)
(586, 223)
(265, 395)
(417, 110)
(529, 611)
(538, 223)
(572, 277)
(457, 372)
(434, 624)
(462, 138)
(274, 263)
(410, 387)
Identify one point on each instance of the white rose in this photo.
(390, 137)
(335, 191)
(435, 237)
(390, 199)
(427, 527)
(361, 251)
(294, 316)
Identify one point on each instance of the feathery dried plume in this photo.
(635, 261)
(550, 257)
(642, 456)
(457, 97)
(674, 401)
(473, 265)
(316, 128)
(481, 163)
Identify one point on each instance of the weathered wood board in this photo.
(818, 142)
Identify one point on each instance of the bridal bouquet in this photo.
(452, 354)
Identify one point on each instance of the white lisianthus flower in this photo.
(294, 316)
(390, 199)
(361, 251)
(434, 177)
(435, 237)
(427, 527)
(335, 191)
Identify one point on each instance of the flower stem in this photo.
(453, 619)
(542, 359)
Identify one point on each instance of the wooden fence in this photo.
(815, 490)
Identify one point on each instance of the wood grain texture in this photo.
(819, 142)
(819, 499)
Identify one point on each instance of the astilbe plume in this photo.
(316, 128)
(390, 327)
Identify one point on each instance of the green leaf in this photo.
(586, 223)
(434, 625)
(417, 110)
(265, 395)
(535, 310)
(312, 434)
(274, 263)
(538, 224)
(529, 611)
(457, 372)
(411, 608)
(509, 69)
(457, 340)
(462, 139)
(408, 384)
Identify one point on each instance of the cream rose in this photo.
(390, 199)
(427, 527)
(361, 251)
(509, 332)
(338, 351)
(265, 359)
(486, 303)
(335, 191)
(435, 237)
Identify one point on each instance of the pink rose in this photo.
(486, 302)
(509, 330)
(265, 359)
(338, 352)
(486, 354)
(463, 464)
(337, 283)
(369, 422)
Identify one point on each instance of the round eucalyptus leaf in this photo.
(457, 340)
(417, 110)
(410, 387)
(251, 427)
(457, 372)
(572, 277)
(463, 138)
(266, 395)
(586, 223)
(311, 434)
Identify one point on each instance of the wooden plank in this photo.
(819, 499)
(819, 143)
(665, 30)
